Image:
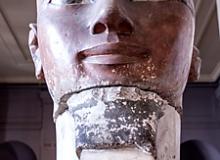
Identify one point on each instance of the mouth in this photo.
(115, 53)
(111, 59)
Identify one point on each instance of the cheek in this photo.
(62, 37)
(58, 47)
(173, 50)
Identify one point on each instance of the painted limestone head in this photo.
(82, 45)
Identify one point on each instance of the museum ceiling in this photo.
(16, 65)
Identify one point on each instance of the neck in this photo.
(120, 122)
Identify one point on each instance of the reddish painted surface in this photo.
(84, 44)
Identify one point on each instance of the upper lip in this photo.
(114, 53)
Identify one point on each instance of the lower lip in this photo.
(112, 59)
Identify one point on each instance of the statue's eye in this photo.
(188, 3)
(66, 2)
(147, 0)
(152, 0)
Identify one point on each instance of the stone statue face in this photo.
(116, 70)
(89, 43)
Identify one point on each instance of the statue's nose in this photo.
(111, 17)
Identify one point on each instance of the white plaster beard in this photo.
(118, 123)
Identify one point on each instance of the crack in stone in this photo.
(62, 107)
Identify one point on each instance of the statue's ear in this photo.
(34, 49)
(195, 66)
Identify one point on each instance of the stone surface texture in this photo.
(106, 119)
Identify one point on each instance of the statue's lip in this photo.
(111, 59)
(118, 53)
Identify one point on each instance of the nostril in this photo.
(99, 28)
(125, 27)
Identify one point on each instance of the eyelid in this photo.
(188, 3)
(152, 0)
(59, 2)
